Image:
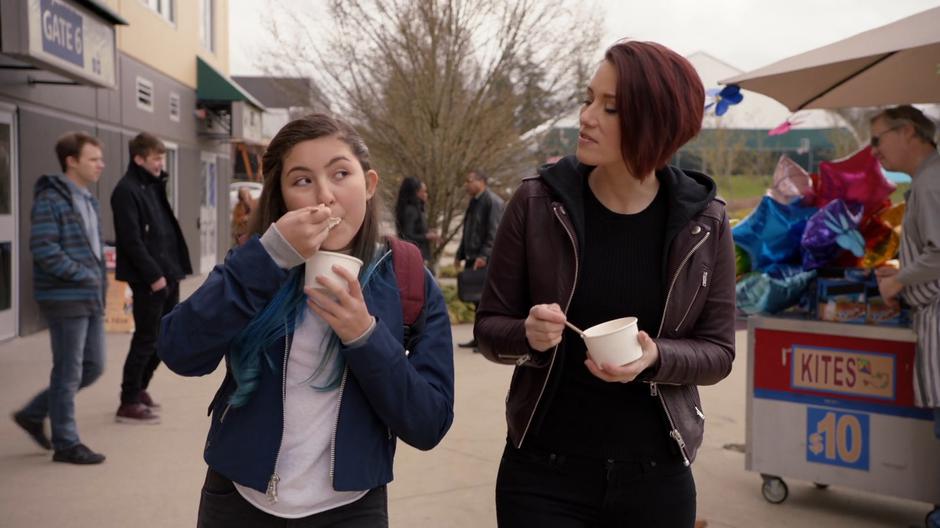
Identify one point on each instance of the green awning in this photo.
(213, 85)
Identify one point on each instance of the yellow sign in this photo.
(843, 372)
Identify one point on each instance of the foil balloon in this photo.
(761, 293)
(894, 215)
(858, 178)
(771, 233)
(831, 230)
(742, 262)
(791, 183)
(881, 243)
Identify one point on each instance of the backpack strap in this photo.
(409, 274)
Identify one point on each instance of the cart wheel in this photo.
(774, 490)
(820, 485)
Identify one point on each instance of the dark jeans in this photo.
(221, 506)
(142, 359)
(555, 491)
(77, 361)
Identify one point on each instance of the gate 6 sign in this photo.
(837, 438)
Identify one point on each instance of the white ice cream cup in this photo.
(614, 342)
(321, 264)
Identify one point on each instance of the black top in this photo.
(148, 237)
(412, 225)
(620, 275)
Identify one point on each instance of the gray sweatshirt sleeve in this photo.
(926, 267)
(283, 254)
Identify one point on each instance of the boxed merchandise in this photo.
(841, 301)
(882, 313)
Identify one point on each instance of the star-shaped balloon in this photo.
(771, 233)
(881, 243)
(791, 183)
(830, 231)
(858, 178)
(761, 293)
(724, 98)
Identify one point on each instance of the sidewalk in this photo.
(153, 474)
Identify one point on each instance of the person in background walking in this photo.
(69, 283)
(411, 219)
(480, 223)
(152, 257)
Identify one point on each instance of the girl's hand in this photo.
(629, 372)
(305, 228)
(544, 326)
(343, 308)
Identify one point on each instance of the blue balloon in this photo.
(761, 293)
(771, 233)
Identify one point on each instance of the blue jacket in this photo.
(385, 394)
(68, 279)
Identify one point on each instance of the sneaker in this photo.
(145, 399)
(33, 429)
(136, 413)
(78, 454)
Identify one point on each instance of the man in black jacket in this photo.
(152, 257)
(479, 227)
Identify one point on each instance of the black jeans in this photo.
(555, 491)
(142, 359)
(221, 506)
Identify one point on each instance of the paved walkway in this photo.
(153, 473)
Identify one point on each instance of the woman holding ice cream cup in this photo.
(613, 236)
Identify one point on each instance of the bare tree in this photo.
(441, 87)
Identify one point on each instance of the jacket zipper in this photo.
(272, 484)
(692, 303)
(339, 402)
(674, 432)
(342, 386)
(548, 376)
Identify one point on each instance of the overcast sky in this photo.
(746, 34)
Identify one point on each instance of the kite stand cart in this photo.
(833, 404)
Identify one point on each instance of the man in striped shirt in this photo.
(903, 139)
(69, 286)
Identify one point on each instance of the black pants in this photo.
(142, 359)
(554, 491)
(221, 506)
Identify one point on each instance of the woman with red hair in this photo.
(613, 231)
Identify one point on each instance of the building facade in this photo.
(114, 68)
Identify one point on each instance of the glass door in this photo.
(208, 229)
(9, 289)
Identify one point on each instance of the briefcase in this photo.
(470, 285)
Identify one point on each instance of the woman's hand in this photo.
(305, 228)
(544, 326)
(629, 372)
(343, 308)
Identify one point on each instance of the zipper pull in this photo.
(677, 436)
(522, 360)
(704, 279)
(272, 488)
(653, 390)
(699, 412)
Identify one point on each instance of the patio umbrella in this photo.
(893, 64)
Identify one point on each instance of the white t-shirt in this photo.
(310, 417)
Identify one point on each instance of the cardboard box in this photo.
(841, 301)
(119, 305)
